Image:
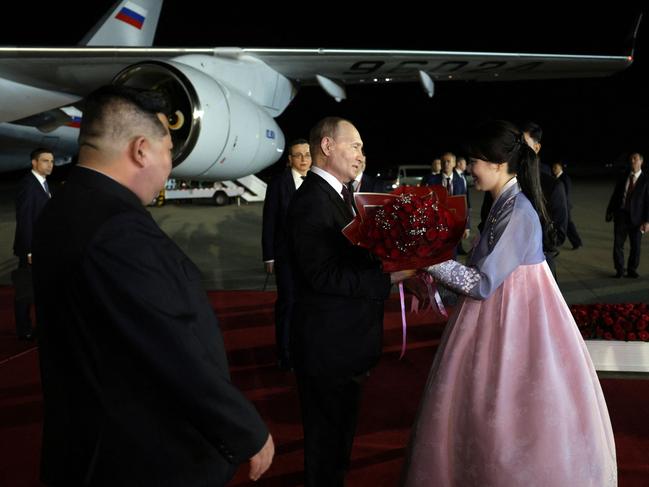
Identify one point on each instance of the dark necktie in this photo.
(347, 196)
(449, 186)
(627, 200)
(47, 188)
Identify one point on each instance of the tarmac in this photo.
(225, 243)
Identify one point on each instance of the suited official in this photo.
(571, 230)
(364, 183)
(337, 325)
(453, 182)
(136, 387)
(274, 241)
(33, 193)
(629, 210)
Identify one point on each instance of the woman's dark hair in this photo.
(499, 141)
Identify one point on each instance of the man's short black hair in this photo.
(36, 153)
(116, 110)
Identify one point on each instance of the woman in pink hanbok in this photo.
(512, 399)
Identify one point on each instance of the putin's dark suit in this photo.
(337, 326)
(275, 247)
(135, 378)
(627, 221)
(30, 201)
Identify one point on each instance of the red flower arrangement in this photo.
(409, 228)
(629, 322)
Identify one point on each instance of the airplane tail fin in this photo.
(130, 23)
(633, 35)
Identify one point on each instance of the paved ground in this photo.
(225, 243)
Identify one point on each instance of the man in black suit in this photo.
(33, 194)
(135, 378)
(337, 325)
(629, 210)
(274, 242)
(454, 184)
(571, 231)
(364, 183)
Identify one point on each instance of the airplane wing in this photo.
(360, 66)
(226, 98)
(66, 74)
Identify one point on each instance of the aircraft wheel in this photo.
(220, 198)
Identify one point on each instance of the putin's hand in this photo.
(262, 459)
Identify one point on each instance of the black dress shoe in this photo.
(618, 274)
(575, 247)
(632, 274)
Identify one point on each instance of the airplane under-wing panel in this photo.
(359, 66)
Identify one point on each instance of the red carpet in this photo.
(389, 405)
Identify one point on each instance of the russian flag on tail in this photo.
(74, 122)
(132, 14)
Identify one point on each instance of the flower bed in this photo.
(616, 335)
(625, 322)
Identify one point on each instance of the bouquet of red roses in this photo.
(410, 228)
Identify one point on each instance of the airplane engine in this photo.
(218, 134)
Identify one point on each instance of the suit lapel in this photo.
(342, 213)
(289, 183)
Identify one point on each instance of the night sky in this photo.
(586, 122)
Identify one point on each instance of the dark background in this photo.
(587, 123)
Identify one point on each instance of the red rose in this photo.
(631, 337)
(608, 336)
(424, 251)
(644, 336)
(379, 250)
(619, 335)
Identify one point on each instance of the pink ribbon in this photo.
(403, 320)
(433, 297)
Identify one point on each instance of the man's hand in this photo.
(29, 259)
(466, 234)
(401, 275)
(644, 227)
(270, 266)
(262, 459)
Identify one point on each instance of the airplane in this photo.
(226, 98)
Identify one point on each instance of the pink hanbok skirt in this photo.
(513, 399)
